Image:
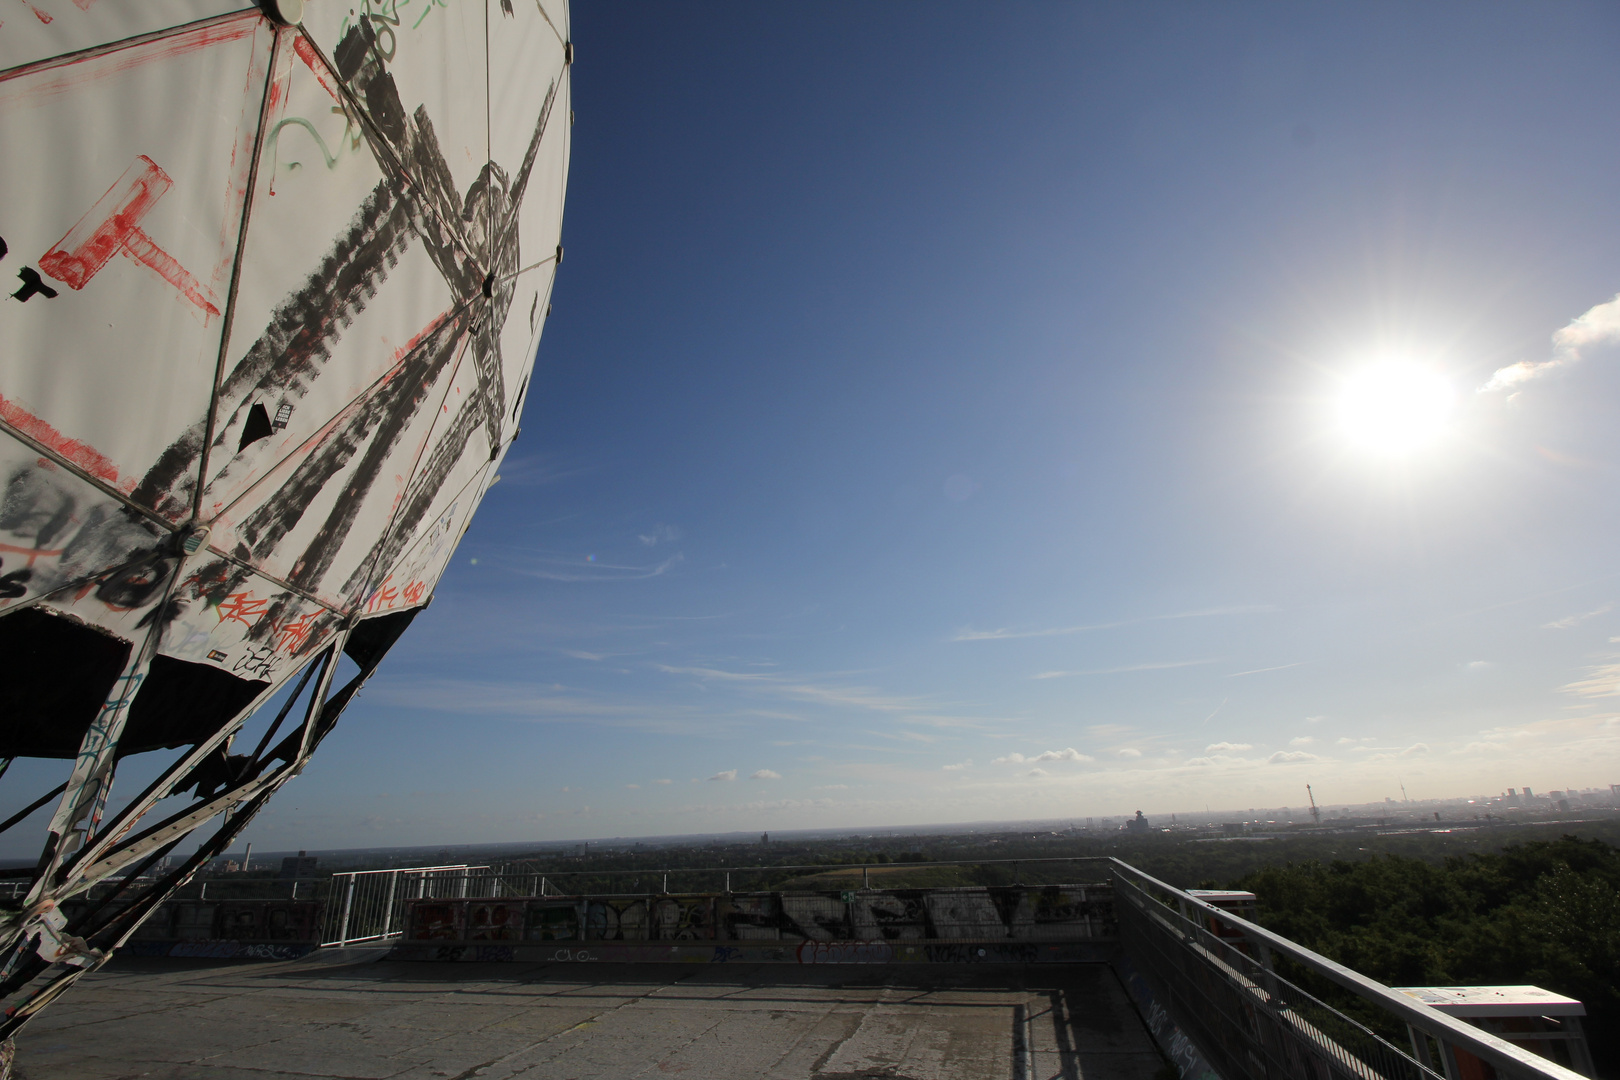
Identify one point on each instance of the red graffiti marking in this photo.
(40, 15)
(384, 596)
(32, 553)
(75, 452)
(241, 607)
(83, 5)
(306, 53)
(113, 226)
(293, 634)
(413, 592)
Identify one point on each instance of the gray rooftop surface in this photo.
(347, 1014)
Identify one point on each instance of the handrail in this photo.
(895, 865)
(1444, 1027)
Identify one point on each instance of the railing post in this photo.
(388, 905)
(348, 906)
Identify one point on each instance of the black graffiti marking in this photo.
(283, 416)
(255, 662)
(15, 584)
(32, 285)
(3, 247)
(256, 427)
(82, 539)
(416, 199)
(295, 347)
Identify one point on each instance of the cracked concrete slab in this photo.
(356, 1017)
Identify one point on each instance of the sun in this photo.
(1394, 408)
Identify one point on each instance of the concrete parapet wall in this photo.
(871, 926)
(743, 952)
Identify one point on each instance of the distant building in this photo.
(764, 837)
(1139, 824)
(301, 866)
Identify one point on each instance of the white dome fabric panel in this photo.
(272, 300)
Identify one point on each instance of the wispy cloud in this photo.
(1263, 670)
(725, 774)
(1600, 325)
(968, 634)
(902, 709)
(663, 781)
(1291, 757)
(1301, 740)
(1128, 752)
(1600, 682)
(1227, 747)
(1037, 772)
(958, 767)
(1571, 620)
(575, 569)
(1158, 665)
(762, 774)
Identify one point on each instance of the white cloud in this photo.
(832, 787)
(633, 787)
(1570, 620)
(958, 767)
(727, 774)
(1037, 772)
(1301, 740)
(764, 774)
(1066, 754)
(1315, 719)
(1345, 740)
(1478, 665)
(1289, 757)
(663, 781)
(1415, 748)
(1129, 752)
(1227, 747)
(1598, 326)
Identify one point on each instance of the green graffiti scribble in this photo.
(299, 121)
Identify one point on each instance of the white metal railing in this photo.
(369, 905)
(1249, 1018)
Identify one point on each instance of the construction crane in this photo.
(1316, 815)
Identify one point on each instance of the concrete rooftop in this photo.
(350, 1015)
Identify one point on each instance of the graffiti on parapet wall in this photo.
(845, 952)
(889, 917)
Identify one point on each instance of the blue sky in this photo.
(936, 424)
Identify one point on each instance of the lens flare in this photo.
(1394, 408)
